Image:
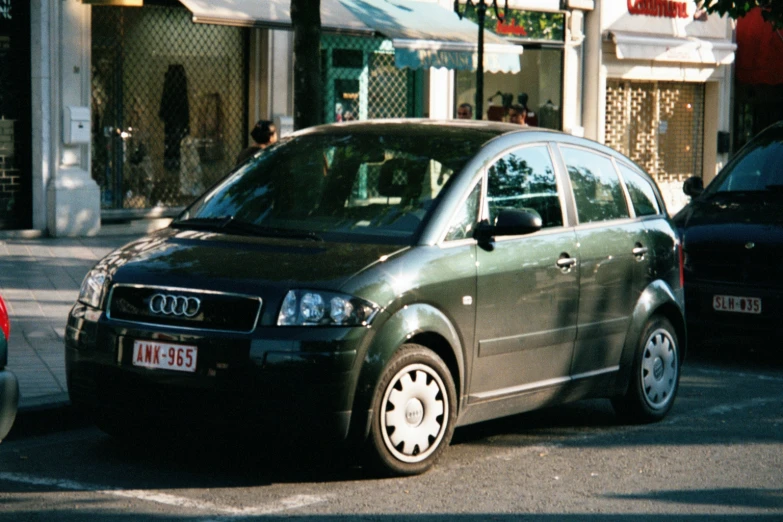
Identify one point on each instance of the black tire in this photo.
(655, 374)
(413, 412)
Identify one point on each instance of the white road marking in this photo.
(284, 504)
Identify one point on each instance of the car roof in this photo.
(490, 129)
(407, 126)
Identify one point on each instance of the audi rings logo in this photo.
(179, 305)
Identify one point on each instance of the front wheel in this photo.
(655, 374)
(413, 412)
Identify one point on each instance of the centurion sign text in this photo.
(665, 8)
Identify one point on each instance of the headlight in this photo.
(317, 308)
(93, 287)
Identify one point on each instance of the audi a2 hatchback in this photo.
(381, 283)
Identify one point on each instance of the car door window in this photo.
(525, 179)
(463, 223)
(642, 193)
(596, 185)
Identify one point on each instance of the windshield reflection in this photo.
(366, 186)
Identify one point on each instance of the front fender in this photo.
(408, 324)
(658, 297)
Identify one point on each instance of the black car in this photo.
(732, 241)
(383, 282)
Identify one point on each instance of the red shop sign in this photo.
(661, 8)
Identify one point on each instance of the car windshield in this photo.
(369, 186)
(757, 169)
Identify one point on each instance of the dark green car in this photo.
(381, 283)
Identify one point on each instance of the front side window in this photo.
(464, 222)
(596, 184)
(362, 186)
(525, 179)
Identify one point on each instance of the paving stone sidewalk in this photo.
(39, 281)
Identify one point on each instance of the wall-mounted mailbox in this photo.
(76, 125)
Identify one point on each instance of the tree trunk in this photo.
(306, 20)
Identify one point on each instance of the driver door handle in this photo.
(566, 263)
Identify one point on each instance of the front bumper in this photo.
(9, 401)
(275, 379)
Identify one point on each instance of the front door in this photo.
(528, 286)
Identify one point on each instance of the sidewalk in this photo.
(39, 281)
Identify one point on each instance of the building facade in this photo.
(659, 80)
(136, 106)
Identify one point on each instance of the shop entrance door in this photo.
(15, 116)
(169, 107)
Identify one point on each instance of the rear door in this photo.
(613, 260)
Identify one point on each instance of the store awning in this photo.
(632, 46)
(759, 51)
(423, 34)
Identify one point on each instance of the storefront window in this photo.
(15, 115)
(539, 85)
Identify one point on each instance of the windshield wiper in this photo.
(210, 223)
(232, 224)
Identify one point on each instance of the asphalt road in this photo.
(719, 455)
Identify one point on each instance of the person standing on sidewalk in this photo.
(264, 134)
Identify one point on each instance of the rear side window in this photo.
(525, 179)
(596, 184)
(642, 193)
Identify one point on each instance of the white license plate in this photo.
(154, 354)
(731, 303)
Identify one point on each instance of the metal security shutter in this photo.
(660, 125)
(168, 105)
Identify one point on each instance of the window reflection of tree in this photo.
(525, 182)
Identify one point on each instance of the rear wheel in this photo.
(655, 374)
(414, 412)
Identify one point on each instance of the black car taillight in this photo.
(681, 261)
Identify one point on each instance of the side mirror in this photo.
(510, 222)
(693, 186)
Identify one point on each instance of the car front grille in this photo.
(207, 310)
(738, 266)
